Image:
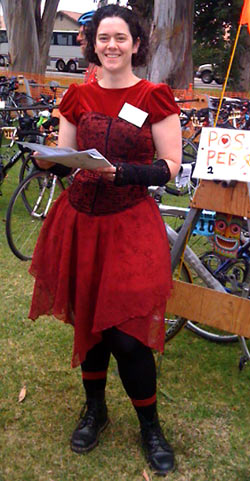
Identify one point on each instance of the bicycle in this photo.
(27, 209)
(27, 130)
(231, 273)
(11, 100)
(194, 270)
(203, 274)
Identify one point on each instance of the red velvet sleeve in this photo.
(69, 105)
(162, 103)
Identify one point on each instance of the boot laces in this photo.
(155, 438)
(88, 415)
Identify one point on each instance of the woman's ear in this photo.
(136, 45)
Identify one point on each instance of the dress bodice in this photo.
(119, 141)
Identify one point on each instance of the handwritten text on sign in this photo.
(223, 154)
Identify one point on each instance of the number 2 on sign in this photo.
(210, 169)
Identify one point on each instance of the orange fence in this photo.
(188, 98)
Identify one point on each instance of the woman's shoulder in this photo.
(159, 99)
(158, 88)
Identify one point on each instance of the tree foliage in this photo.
(29, 32)
(215, 26)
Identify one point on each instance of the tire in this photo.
(189, 155)
(2, 61)
(213, 335)
(184, 118)
(22, 100)
(200, 275)
(71, 66)
(27, 210)
(5, 117)
(27, 167)
(207, 77)
(60, 65)
(174, 324)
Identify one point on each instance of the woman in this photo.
(102, 260)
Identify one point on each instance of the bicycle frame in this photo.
(15, 132)
(40, 197)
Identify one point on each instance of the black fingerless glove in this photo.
(57, 169)
(60, 170)
(156, 174)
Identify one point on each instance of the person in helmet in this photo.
(83, 21)
(93, 72)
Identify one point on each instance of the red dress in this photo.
(102, 258)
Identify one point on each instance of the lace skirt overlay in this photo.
(102, 258)
(96, 272)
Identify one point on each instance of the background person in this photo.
(102, 260)
(93, 72)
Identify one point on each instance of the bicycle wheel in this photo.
(176, 186)
(201, 276)
(22, 100)
(174, 324)
(27, 167)
(27, 210)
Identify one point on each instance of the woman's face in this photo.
(114, 44)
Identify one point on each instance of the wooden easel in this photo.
(199, 304)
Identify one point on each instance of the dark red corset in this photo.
(90, 194)
(119, 141)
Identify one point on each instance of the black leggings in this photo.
(135, 362)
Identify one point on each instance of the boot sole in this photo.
(158, 472)
(79, 450)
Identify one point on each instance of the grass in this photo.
(203, 399)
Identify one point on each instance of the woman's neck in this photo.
(118, 80)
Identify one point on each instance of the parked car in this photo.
(207, 73)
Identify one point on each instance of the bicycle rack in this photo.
(218, 309)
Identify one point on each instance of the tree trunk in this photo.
(171, 43)
(244, 80)
(29, 33)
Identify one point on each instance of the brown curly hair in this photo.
(139, 58)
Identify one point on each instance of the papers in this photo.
(86, 159)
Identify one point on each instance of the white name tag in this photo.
(133, 114)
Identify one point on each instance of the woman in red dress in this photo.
(102, 260)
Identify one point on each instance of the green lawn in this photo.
(203, 399)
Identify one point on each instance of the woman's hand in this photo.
(107, 172)
(42, 164)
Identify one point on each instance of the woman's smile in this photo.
(114, 41)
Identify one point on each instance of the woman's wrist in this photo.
(157, 173)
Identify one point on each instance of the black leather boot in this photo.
(159, 453)
(86, 435)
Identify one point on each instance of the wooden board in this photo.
(230, 200)
(221, 310)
